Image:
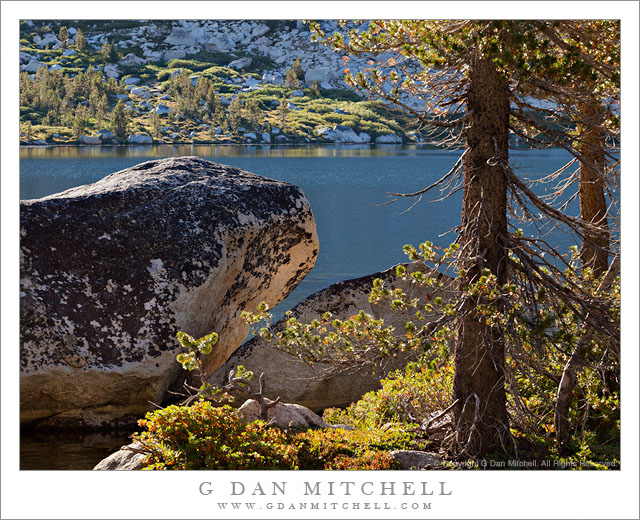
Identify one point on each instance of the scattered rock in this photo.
(313, 386)
(260, 30)
(141, 92)
(220, 43)
(321, 74)
(266, 137)
(131, 81)
(412, 459)
(132, 60)
(111, 71)
(343, 134)
(167, 245)
(282, 415)
(389, 139)
(89, 139)
(297, 93)
(140, 139)
(32, 66)
(105, 134)
(174, 54)
(47, 39)
(240, 64)
(126, 458)
(183, 36)
(162, 109)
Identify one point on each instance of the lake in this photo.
(344, 185)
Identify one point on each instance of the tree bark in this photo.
(593, 205)
(480, 415)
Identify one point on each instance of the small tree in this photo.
(253, 113)
(119, 121)
(81, 43)
(297, 69)
(213, 101)
(28, 131)
(315, 88)
(283, 112)
(109, 52)
(81, 121)
(156, 125)
(63, 36)
(234, 114)
(291, 80)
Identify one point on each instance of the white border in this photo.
(521, 494)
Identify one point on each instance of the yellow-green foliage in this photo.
(406, 396)
(204, 436)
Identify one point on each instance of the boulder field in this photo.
(111, 271)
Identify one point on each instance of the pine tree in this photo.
(234, 114)
(297, 69)
(253, 113)
(80, 42)
(81, 121)
(471, 96)
(63, 36)
(283, 112)
(291, 80)
(119, 121)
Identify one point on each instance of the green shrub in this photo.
(351, 449)
(203, 436)
(193, 65)
(406, 396)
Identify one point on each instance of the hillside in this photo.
(205, 81)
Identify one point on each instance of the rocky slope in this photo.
(241, 59)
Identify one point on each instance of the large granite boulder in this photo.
(315, 386)
(111, 271)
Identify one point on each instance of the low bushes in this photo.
(406, 396)
(206, 436)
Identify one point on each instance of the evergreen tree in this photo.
(253, 113)
(63, 36)
(283, 112)
(291, 80)
(234, 114)
(156, 125)
(315, 88)
(80, 42)
(109, 52)
(81, 121)
(472, 74)
(297, 69)
(119, 121)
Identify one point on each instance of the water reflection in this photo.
(68, 450)
(218, 150)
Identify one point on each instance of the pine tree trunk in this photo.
(593, 205)
(480, 415)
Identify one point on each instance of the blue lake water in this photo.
(344, 185)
